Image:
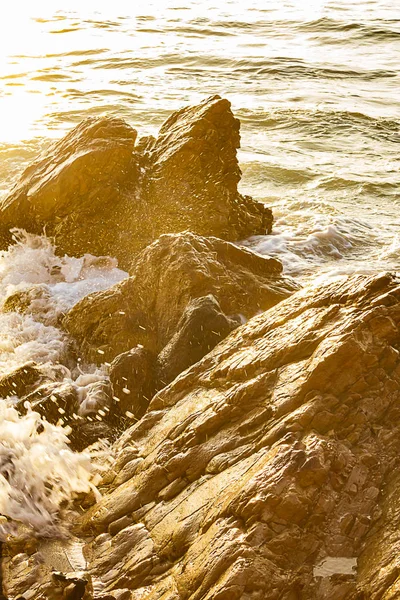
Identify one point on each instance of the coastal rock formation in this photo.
(98, 192)
(177, 268)
(268, 470)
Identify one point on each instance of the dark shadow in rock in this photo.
(132, 376)
(85, 433)
(202, 326)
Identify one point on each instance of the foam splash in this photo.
(313, 242)
(38, 470)
(32, 261)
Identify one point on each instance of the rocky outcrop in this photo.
(146, 308)
(269, 469)
(97, 191)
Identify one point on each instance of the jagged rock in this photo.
(194, 161)
(132, 376)
(202, 326)
(268, 467)
(146, 308)
(79, 189)
(96, 192)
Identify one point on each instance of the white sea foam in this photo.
(32, 262)
(305, 245)
(38, 471)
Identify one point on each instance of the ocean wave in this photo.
(368, 188)
(38, 471)
(324, 122)
(31, 263)
(304, 246)
(282, 66)
(369, 31)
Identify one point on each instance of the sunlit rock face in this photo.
(267, 470)
(97, 192)
(177, 268)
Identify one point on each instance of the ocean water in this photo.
(315, 84)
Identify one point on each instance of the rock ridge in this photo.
(98, 191)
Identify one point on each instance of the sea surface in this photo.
(316, 86)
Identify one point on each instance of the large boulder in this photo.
(177, 268)
(98, 191)
(268, 470)
(80, 190)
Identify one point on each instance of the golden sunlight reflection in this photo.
(314, 84)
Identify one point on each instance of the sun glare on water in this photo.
(31, 34)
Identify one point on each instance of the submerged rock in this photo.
(177, 268)
(96, 191)
(36, 300)
(278, 453)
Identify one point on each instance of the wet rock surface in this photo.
(202, 326)
(264, 468)
(97, 191)
(133, 381)
(177, 268)
(20, 380)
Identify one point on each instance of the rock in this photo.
(194, 164)
(202, 326)
(54, 400)
(36, 300)
(71, 188)
(132, 376)
(96, 192)
(71, 585)
(177, 268)
(275, 454)
(85, 433)
(20, 380)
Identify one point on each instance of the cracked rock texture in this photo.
(278, 451)
(177, 268)
(99, 191)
